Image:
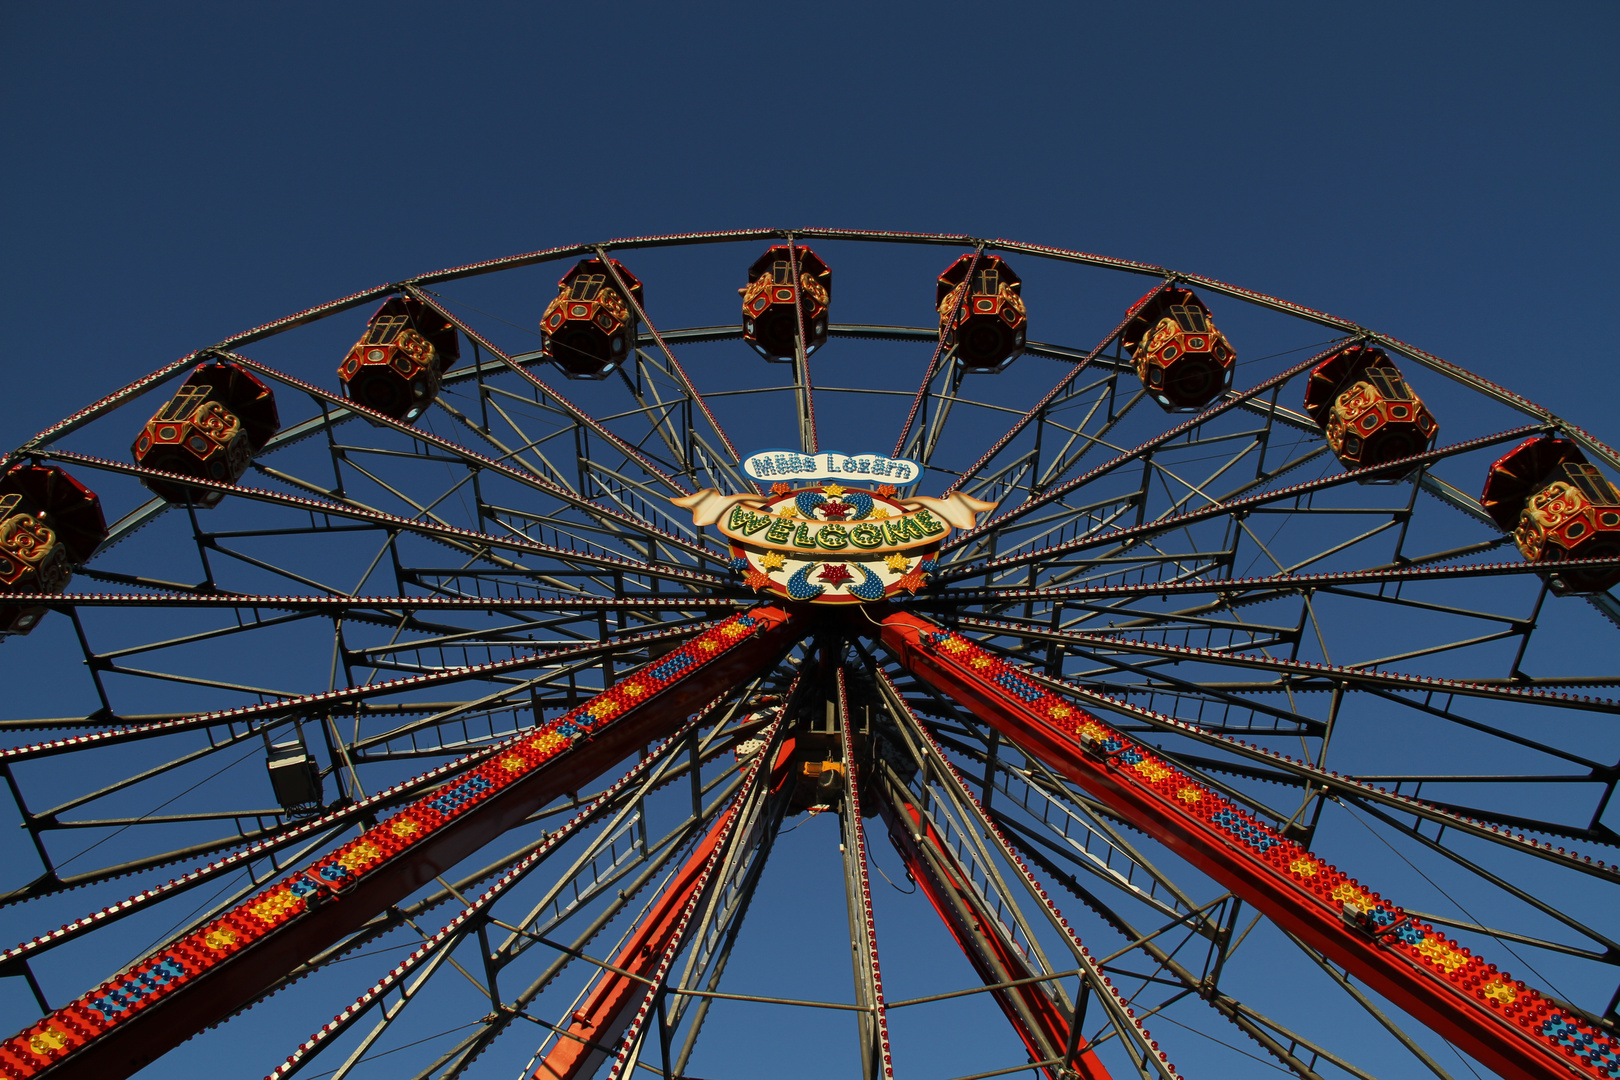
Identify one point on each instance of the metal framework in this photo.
(1149, 742)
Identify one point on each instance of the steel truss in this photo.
(1190, 673)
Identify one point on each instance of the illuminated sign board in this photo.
(833, 542)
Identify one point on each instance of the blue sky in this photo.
(1442, 172)
(179, 172)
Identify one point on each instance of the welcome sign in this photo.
(791, 533)
(831, 543)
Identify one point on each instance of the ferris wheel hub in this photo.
(574, 629)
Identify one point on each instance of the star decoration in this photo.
(832, 491)
(913, 582)
(771, 560)
(756, 580)
(835, 574)
(780, 488)
(898, 563)
(878, 512)
(787, 512)
(887, 490)
(835, 511)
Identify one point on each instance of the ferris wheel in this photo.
(535, 668)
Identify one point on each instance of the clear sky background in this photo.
(1442, 172)
(176, 172)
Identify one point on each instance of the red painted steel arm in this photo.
(599, 1022)
(1508, 1026)
(1040, 1022)
(201, 978)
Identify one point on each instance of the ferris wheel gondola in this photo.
(1173, 681)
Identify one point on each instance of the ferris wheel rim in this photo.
(553, 254)
(37, 448)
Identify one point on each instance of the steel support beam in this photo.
(1508, 1026)
(876, 1063)
(203, 977)
(1040, 1021)
(737, 822)
(601, 1019)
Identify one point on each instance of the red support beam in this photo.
(204, 976)
(1040, 1021)
(421, 962)
(596, 1026)
(1505, 1024)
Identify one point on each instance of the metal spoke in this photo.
(1323, 656)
